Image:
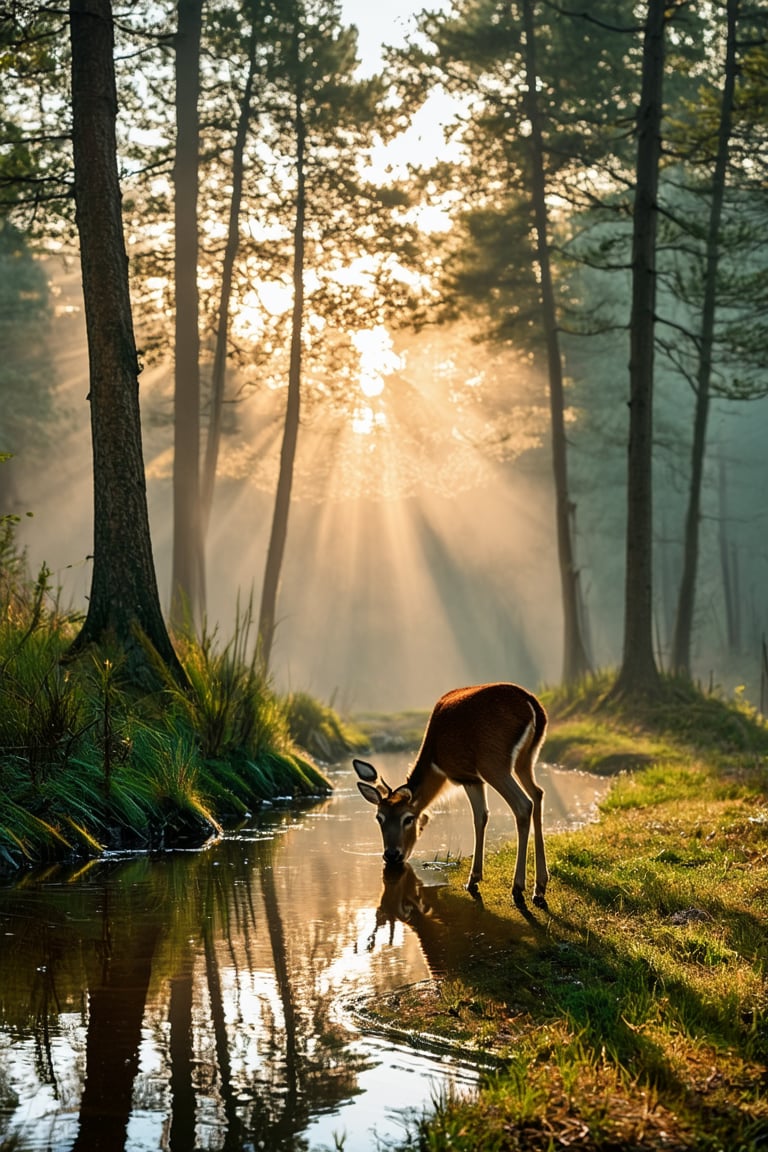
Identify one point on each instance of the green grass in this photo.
(86, 762)
(394, 731)
(681, 720)
(316, 727)
(634, 1014)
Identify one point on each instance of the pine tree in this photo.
(124, 606)
(529, 133)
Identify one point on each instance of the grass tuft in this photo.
(316, 727)
(86, 763)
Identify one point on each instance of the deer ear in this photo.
(423, 821)
(369, 793)
(403, 793)
(365, 771)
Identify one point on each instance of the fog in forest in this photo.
(421, 551)
(414, 562)
(431, 254)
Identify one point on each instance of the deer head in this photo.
(400, 819)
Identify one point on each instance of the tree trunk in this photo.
(638, 673)
(681, 649)
(668, 572)
(187, 592)
(124, 605)
(222, 327)
(279, 533)
(575, 659)
(726, 551)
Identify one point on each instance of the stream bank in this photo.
(198, 991)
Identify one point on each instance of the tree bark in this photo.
(124, 605)
(218, 381)
(575, 660)
(681, 648)
(187, 591)
(639, 673)
(279, 532)
(727, 567)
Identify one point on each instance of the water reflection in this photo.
(451, 929)
(190, 1002)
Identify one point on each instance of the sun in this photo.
(371, 384)
(378, 359)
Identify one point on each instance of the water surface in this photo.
(192, 1001)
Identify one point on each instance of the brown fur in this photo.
(487, 734)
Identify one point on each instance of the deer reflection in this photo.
(404, 897)
(451, 928)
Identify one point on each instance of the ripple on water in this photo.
(199, 992)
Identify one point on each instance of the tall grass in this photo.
(86, 763)
(230, 706)
(316, 727)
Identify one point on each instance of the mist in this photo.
(411, 567)
(421, 554)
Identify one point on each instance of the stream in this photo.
(196, 1000)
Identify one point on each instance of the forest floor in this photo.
(631, 1014)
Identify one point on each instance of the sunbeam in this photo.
(418, 552)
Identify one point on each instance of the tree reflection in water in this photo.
(177, 991)
(118, 967)
(190, 1001)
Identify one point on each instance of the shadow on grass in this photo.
(612, 1000)
(739, 932)
(515, 960)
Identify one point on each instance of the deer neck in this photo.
(425, 780)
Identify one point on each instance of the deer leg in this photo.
(522, 807)
(525, 773)
(475, 790)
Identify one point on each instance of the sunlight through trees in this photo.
(411, 281)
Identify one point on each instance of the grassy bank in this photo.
(632, 1015)
(88, 763)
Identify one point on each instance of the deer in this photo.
(485, 734)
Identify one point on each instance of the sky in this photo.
(383, 23)
(389, 23)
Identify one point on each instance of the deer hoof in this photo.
(518, 896)
(540, 901)
(476, 894)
